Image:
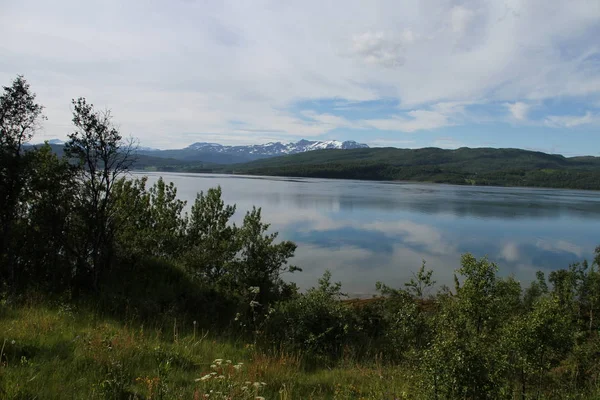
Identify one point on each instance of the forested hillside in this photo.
(480, 166)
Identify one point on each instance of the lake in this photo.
(364, 232)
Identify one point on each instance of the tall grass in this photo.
(66, 353)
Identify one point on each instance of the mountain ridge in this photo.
(224, 154)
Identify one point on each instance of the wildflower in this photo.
(228, 361)
(214, 366)
(244, 388)
(259, 398)
(204, 378)
(13, 342)
(254, 304)
(218, 361)
(237, 367)
(221, 377)
(254, 289)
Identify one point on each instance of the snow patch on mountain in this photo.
(278, 148)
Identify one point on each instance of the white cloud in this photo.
(378, 142)
(447, 143)
(379, 48)
(172, 69)
(460, 18)
(571, 121)
(518, 110)
(417, 120)
(510, 252)
(560, 246)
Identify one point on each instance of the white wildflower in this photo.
(204, 378)
(254, 289)
(254, 304)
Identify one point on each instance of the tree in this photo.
(420, 282)
(103, 157)
(20, 117)
(45, 257)
(537, 341)
(462, 362)
(149, 222)
(262, 261)
(211, 240)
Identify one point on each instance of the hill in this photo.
(220, 154)
(481, 166)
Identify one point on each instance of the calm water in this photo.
(365, 232)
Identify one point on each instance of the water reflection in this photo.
(367, 231)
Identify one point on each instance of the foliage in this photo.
(464, 166)
(315, 323)
(20, 117)
(136, 296)
(102, 157)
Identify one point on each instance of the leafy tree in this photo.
(102, 157)
(537, 288)
(149, 221)
(212, 241)
(315, 323)
(460, 363)
(20, 117)
(420, 282)
(536, 342)
(261, 261)
(47, 241)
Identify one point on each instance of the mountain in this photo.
(479, 166)
(55, 142)
(220, 154)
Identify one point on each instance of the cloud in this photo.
(510, 252)
(570, 121)
(171, 70)
(379, 48)
(447, 143)
(460, 18)
(415, 120)
(558, 246)
(379, 142)
(518, 110)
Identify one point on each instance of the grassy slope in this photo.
(61, 353)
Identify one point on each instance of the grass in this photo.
(64, 353)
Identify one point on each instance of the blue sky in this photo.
(413, 73)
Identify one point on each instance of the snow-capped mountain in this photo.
(220, 154)
(144, 148)
(55, 142)
(273, 149)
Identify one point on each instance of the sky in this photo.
(401, 73)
